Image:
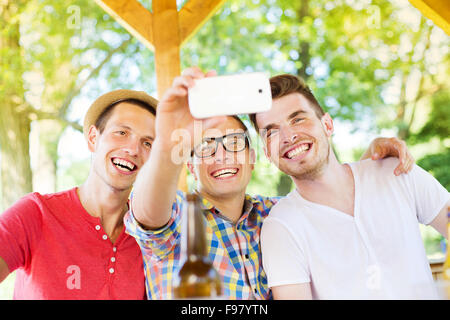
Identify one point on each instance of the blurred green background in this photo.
(378, 67)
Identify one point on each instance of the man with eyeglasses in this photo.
(221, 162)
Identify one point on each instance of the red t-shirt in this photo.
(62, 252)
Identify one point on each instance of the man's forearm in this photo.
(155, 187)
(440, 222)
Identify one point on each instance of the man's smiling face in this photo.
(225, 173)
(295, 138)
(123, 146)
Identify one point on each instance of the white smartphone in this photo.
(230, 95)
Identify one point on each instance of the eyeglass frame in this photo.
(220, 139)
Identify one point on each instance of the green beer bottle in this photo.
(197, 278)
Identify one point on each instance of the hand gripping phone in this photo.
(230, 95)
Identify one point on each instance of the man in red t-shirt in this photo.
(72, 244)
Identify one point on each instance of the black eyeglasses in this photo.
(233, 142)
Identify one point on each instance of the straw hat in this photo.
(104, 101)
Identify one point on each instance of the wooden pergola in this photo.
(436, 10)
(158, 31)
(165, 29)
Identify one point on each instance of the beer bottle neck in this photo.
(196, 233)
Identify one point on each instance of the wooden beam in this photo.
(436, 10)
(133, 16)
(193, 16)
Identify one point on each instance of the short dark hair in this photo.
(285, 84)
(103, 118)
(244, 127)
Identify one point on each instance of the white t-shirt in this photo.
(376, 254)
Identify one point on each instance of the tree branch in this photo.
(420, 91)
(36, 114)
(76, 90)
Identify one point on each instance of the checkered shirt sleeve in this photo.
(157, 243)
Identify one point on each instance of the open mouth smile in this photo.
(298, 151)
(224, 173)
(123, 165)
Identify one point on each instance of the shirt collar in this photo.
(249, 203)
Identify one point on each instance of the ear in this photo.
(327, 123)
(190, 167)
(266, 152)
(93, 135)
(252, 157)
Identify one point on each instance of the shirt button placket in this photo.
(112, 261)
(98, 228)
(111, 269)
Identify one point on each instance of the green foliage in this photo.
(264, 180)
(433, 241)
(65, 42)
(74, 175)
(437, 126)
(438, 123)
(439, 166)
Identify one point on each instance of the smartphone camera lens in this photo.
(260, 90)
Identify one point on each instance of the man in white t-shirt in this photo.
(348, 231)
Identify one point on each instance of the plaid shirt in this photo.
(234, 249)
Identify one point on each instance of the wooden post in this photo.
(166, 41)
